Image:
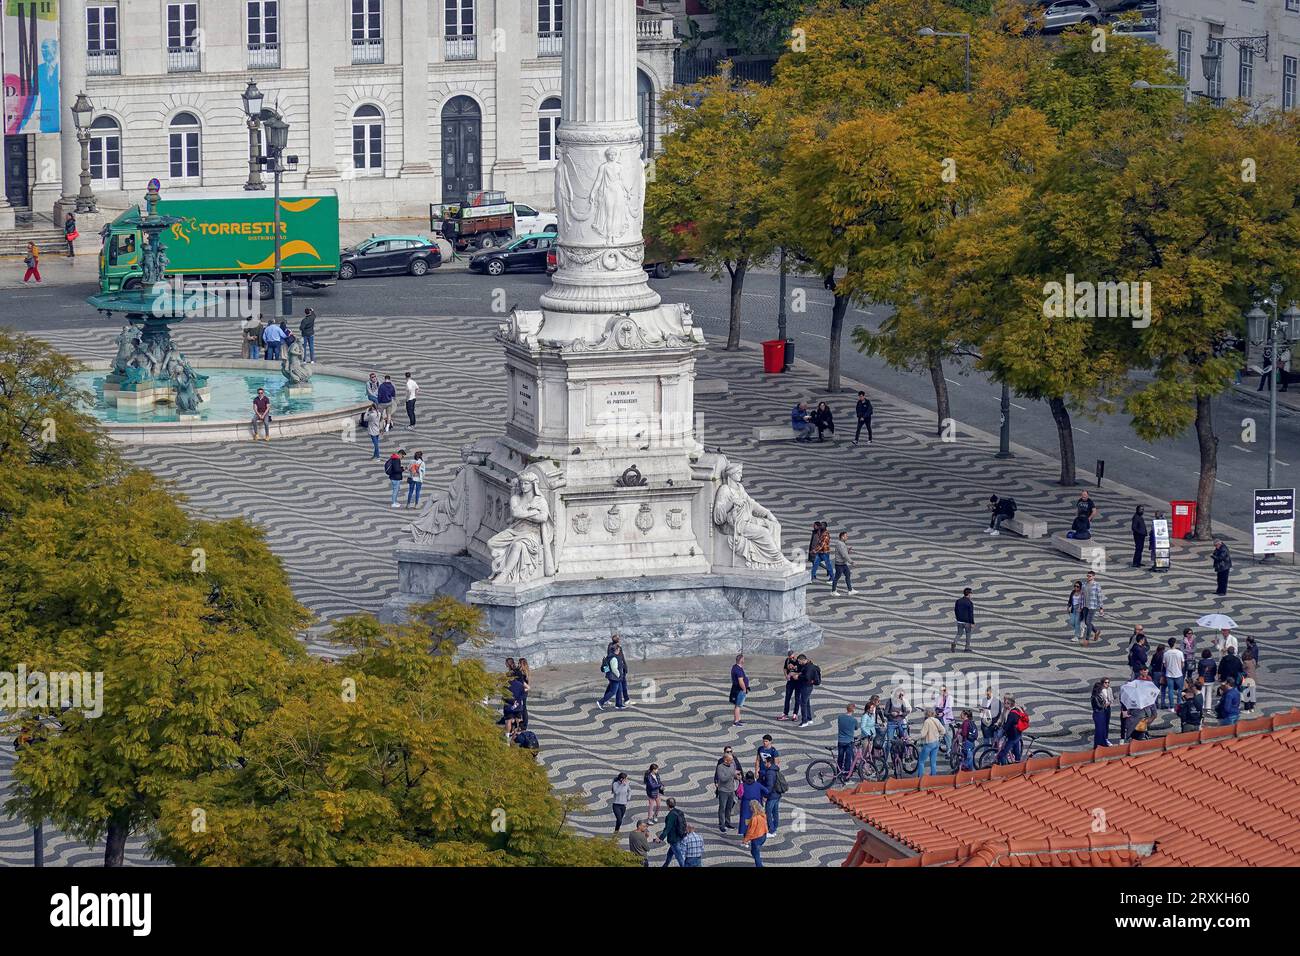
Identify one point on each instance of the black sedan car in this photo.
(389, 255)
(525, 254)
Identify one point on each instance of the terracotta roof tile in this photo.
(1240, 785)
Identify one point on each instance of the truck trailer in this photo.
(230, 236)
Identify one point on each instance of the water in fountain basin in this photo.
(233, 391)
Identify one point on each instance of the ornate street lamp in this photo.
(82, 110)
(1274, 335)
(252, 98)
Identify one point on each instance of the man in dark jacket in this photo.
(1011, 731)
(394, 469)
(964, 612)
(308, 329)
(790, 671)
(1231, 668)
(864, 412)
(1190, 711)
(1002, 509)
(1222, 565)
(1139, 529)
(1137, 656)
(810, 676)
(673, 834)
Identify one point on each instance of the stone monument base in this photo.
(559, 621)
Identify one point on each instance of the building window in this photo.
(183, 146)
(1214, 85)
(645, 113)
(263, 34)
(458, 33)
(182, 37)
(106, 152)
(550, 27)
(1246, 74)
(101, 40)
(548, 121)
(1293, 5)
(1288, 82)
(367, 31)
(368, 138)
(1185, 54)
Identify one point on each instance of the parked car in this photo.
(525, 254)
(1067, 13)
(389, 255)
(529, 222)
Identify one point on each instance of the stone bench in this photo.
(1087, 550)
(712, 386)
(1027, 526)
(774, 433)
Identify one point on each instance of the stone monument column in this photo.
(599, 180)
(416, 47)
(326, 51)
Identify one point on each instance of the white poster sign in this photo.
(1275, 521)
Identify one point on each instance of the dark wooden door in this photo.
(462, 138)
(16, 170)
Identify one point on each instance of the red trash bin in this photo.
(1182, 518)
(774, 355)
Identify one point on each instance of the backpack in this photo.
(972, 731)
(1220, 707)
(815, 673)
(781, 785)
(1022, 719)
(361, 422)
(604, 665)
(1008, 507)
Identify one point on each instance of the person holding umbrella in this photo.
(1137, 699)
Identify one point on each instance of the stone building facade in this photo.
(396, 104)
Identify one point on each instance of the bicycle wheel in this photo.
(911, 757)
(878, 765)
(822, 774)
(985, 756)
(1035, 754)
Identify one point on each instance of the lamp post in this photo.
(277, 138)
(81, 113)
(1211, 61)
(252, 98)
(1282, 331)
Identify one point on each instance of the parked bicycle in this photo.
(823, 774)
(987, 755)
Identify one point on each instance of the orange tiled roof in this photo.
(1226, 796)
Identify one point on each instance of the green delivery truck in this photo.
(230, 236)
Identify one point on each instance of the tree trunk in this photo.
(1065, 436)
(837, 331)
(941, 408)
(115, 842)
(737, 285)
(1209, 447)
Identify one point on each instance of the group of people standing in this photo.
(396, 467)
(264, 339)
(822, 420)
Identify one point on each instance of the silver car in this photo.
(1067, 13)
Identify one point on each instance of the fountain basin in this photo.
(335, 400)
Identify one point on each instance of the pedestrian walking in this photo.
(821, 552)
(1222, 560)
(864, 412)
(790, 669)
(394, 469)
(262, 415)
(692, 847)
(412, 390)
(964, 613)
(823, 420)
(654, 789)
(810, 676)
(756, 832)
(70, 234)
(801, 423)
(613, 669)
(1074, 607)
(673, 833)
(846, 729)
(931, 733)
(1093, 607)
(639, 840)
(374, 423)
(725, 776)
(415, 480)
(843, 564)
(32, 260)
(1174, 665)
(387, 395)
(307, 327)
(1102, 700)
(739, 689)
(1139, 528)
(990, 715)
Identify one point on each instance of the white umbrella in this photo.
(1137, 694)
(1217, 621)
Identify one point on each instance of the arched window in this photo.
(106, 153)
(367, 138)
(548, 121)
(645, 113)
(183, 144)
